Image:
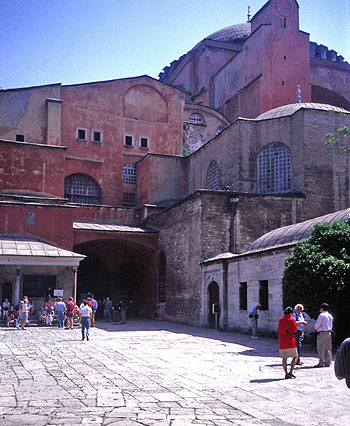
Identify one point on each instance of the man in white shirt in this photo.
(85, 315)
(324, 326)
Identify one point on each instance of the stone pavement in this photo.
(157, 373)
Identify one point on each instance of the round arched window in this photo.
(81, 189)
(196, 118)
(213, 176)
(274, 169)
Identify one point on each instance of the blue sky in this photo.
(77, 41)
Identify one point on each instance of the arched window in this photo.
(162, 278)
(129, 174)
(213, 176)
(196, 119)
(218, 130)
(81, 189)
(274, 169)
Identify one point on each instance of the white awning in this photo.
(28, 251)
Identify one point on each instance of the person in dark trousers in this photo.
(85, 315)
(300, 322)
(342, 362)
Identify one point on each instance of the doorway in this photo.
(214, 307)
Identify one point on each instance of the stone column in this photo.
(15, 298)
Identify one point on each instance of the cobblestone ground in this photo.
(156, 373)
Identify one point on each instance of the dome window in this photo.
(196, 119)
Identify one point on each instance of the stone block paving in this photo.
(155, 373)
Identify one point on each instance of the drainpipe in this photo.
(224, 310)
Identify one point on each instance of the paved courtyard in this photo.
(157, 373)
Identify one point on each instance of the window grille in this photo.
(274, 169)
(162, 279)
(243, 301)
(129, 174)
(213, 176)
(196, 119)
(264, 295)
(129, 199)
(81, 189)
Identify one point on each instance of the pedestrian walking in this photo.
(94, 306)
(324, 327)
(254, 316)
(300, 322)
(287, 344)
(70, 306)
(342, 362)
(85, 315)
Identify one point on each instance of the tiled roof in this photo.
(29, 247)
(105, 227)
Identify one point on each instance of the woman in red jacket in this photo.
(287, 344)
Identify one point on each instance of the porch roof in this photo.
(108, 227)
(29, 251)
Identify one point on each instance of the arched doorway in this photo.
(127, 286)
(214, 307)
(93, 277)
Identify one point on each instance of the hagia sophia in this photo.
(181, 193)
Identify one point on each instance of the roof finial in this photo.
(249, 14)
(298, 94)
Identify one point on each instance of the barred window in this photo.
(81, 189)
(129, 199)
(213, 176)
(162, 278)
(196, 119)
(129, 174)
(243, 302)
(274, 169)
(264, 295)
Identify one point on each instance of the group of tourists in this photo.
(291, 335)
(115, 312)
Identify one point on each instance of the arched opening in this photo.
(274, 169)
(81, 189)
(120, 268)
(213, 176)
(93, 277)
(127, 286)
(214, 307)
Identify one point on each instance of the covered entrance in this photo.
(32, 268)
(120, 263)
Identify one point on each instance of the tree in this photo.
(318, 271)
(339, 139)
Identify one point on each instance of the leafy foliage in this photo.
(339, 140)
(318, 271)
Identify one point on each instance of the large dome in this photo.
(231, 33)
(290, 109)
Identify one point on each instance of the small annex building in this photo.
(239, 281)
